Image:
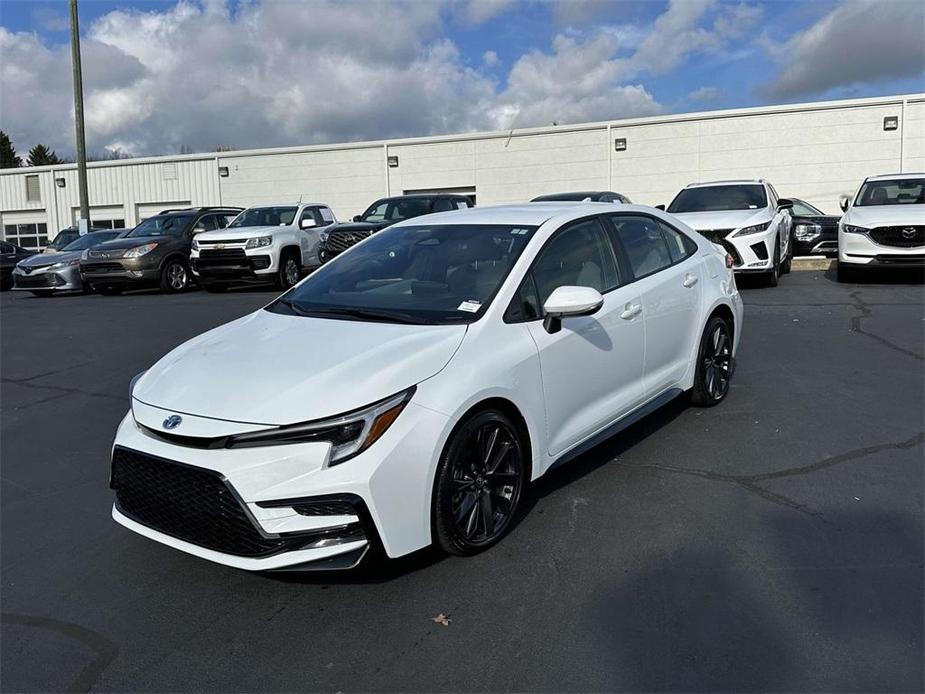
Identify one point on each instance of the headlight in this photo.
(806, 232)
(854, 230)
(139, 251)
(259, 242)
(85, 255)
(754, 229)
(349, 434)
(195, 245)
(66, 263)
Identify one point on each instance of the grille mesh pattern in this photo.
(339, 241)
(901, 237)
(189, 503)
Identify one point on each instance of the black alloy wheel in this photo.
(714, 364)
(479, 484)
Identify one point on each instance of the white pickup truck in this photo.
(266, 243)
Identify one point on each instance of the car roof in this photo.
(569, 196)
(425, 196)
(893, 177)
(290, 203)
(528, 213)
(730, 182)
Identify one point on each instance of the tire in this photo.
(481, 475)
(772, 278)
(289, 271)
(175, 276)
(106, 290)
(714, 364)
(845, 274)
(788, 261)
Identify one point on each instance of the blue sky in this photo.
(201, 74)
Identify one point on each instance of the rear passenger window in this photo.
(443, 205)
(643, 243)
(679, 246)
(579, 256)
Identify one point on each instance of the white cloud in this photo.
(481, 11)
(490, 59)
(705, 94)
(861, 41)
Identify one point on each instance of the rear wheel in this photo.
(289, 271)
(479, 483)
(175, 276)
(714, 364)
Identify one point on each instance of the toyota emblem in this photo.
(909, 233)
(173, 421)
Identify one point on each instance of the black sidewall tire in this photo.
(774, 275)
(165, 276)
(282, 282)
(698, 394)
(445, 533)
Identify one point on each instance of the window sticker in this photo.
(327, 215)
(470, 306)
(461, 205)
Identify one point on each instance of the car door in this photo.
(668, 275)
(592, 369)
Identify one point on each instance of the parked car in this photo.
(383, 213)
(587, 196)
(268, 243)
(884, 226)
(814, 231)
(746, 217)
(45, 274)
(10, 254)
(66, 236)
(408, 391)
(153, 254)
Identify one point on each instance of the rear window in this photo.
(719, 198)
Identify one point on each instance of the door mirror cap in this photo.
(357, 218)
(660, 207)
(198, 230)
(843, 203)
(570, 301)
(307, 223)
(784, 204)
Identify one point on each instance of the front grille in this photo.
(102, 267)
(224, 242)
(106, 254)
(339, 241)
(715, 235)
(222, 254)
(908, 236)
(191, 504)
(46, 279)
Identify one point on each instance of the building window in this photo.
(33, 190)
(32, 236)
(108, 224)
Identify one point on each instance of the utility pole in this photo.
(84, 221)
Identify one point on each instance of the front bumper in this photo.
(752, 253)
(139, 271)
(860, 250)
(262, 489)
(234, 264)
(65, 279)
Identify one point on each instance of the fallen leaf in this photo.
(442, 619)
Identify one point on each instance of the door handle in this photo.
(631, 310)
(689, 280)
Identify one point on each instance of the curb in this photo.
(799, 264)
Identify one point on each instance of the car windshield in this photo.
(265, 217)
(395, 210)
(413, 274)
(804, 209)
(92, 239)
(161, 225)
(64, 238)
(719, 198)
(900, 191)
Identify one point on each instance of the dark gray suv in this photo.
(153, 254)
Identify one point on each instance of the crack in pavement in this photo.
(750, 482)
(70, 391)
(867, 312)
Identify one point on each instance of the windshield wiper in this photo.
(293, 306)
(367, 313)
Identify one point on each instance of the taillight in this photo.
(729, 261)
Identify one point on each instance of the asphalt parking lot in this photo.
(772, 543)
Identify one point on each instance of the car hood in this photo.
(274, 369)
(240, 233)
(358, 226)
(117, 244)
(43, 259)
(884, 215)
(723, 219)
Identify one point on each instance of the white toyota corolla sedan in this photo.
(408, 391)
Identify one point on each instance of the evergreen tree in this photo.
(8, 158)
(40, 155)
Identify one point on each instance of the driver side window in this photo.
(578, 255)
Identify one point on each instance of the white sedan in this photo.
(408, 391)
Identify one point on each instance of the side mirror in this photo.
(357, 218)
(843, 203)
(660, 207)
(569, 301)
(784, 204)
(307, 223)
(198, 230)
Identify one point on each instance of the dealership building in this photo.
(815, 151)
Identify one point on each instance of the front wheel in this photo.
(714, 364)
(289, 271)
(479, 483)
(174, 276)
(773, 276)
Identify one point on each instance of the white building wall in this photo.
(813, 151)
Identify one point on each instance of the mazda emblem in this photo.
(173, 421)
(909, 233)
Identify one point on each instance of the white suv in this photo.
(746, 217)
(884, 225)
(269, 243)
